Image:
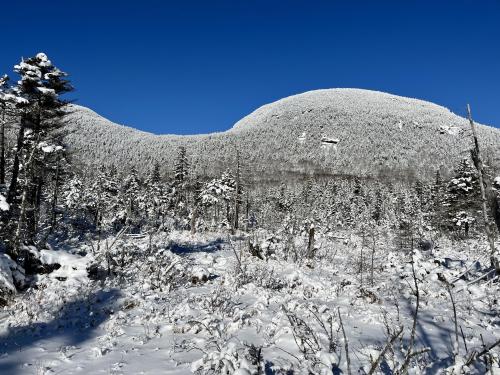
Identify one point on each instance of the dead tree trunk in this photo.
(194, 217)
(2, 147)
(478, 163)
(21, 235)
(15, 167)
(310, 244)
(373, 254)
(247, 212)
(237, 193)
(55, 196)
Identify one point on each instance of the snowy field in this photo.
(183, 304)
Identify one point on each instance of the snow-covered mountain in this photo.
(340, 131)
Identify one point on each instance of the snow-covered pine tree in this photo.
(228, 185)
(377, 206)
(101, 200)
(181, 173)
(4, 88)
(197, 203)
(4, 207)
(154, 195)
(462, 198)
(437, 202)
(41, 109)
(181, 167)
(133, 197)
(9, 101)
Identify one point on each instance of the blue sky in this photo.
(190, 67)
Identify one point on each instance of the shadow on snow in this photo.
(73, 325)
(184, 249)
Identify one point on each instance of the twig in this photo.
(467, 270)
(389, 343)
(474, 357)
(290, 354)
(236, 255)
(346, 344)
(463, 338)
(404, 367)
(476, 280)
(454, 318)
(120, 233)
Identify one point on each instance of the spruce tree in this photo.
(181, 173)
(463, 199)
(132, 195)
(4, 88)
(41, 109)
(154, 194)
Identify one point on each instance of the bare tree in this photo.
(310, 243)
(410, 353)
(237, 178)
(2, 143)
(478, 163)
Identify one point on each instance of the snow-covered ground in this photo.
(182, 303)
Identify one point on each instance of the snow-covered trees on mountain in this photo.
(365, 122)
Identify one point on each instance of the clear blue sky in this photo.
(198, 66)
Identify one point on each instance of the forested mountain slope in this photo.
(337, 131)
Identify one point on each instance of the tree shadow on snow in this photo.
(432, 335)
(74, 324)
(184, 249)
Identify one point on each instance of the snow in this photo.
(496, 182)
(131, 325)
(14, 99)
(449, 129)
(47, 91)
(6, 277)
(43, 60)
(302, 137)
(47, 148)
(4, 206)
(73, 270)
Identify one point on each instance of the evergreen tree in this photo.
(181, 167)
(41, 111)
(4, 89)
(181, 173)
(101, 200)
(462, 199)
(132, 196)
(437, 202)
(154, 195)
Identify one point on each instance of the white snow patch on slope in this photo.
(4, 206)
(73, 270)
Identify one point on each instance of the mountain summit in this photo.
(333, 131)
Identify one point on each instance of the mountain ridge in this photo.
(337, 131)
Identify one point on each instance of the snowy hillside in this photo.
(375, 133)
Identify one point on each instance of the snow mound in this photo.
(72, 270)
